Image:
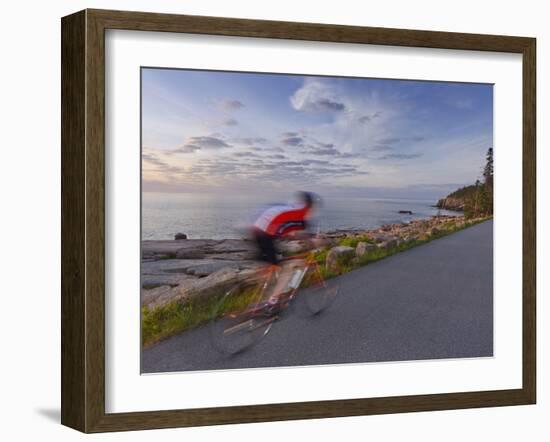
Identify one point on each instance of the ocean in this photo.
(225, 216)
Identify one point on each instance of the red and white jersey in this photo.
(280, 220)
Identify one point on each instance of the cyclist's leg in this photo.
(282, 284)
(266, 247)
(290, 276)
(268, 253)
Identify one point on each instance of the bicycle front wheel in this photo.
(239, 320)
(320, 294)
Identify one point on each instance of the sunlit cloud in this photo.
(316, 96)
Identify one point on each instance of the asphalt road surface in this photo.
(431, 302)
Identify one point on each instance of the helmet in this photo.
(310, 199)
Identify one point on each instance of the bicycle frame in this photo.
(309, 262)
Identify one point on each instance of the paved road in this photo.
(434, 301)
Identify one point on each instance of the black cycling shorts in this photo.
(266, 247)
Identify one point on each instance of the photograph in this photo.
(302, 220)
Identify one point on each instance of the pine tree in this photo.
(488, 169)
(488, 183)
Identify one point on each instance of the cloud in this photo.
(206, 168)
(325, 145)
(400, 156)
(230, 105)
(380, 148)
(316, 96)
(328, 104)
(318, 162)
(368, 118)
(320, 148)
(187, 148)
(461, 103)
(246, 155)
(198, 143)
(230, 122)
(249, 141)
(293, 141)
(396, 140)
(314, 147)
(326, 151)
(290, 163)
(386, 141)
(151, 163)
(274, 149)
(349, 155)
(245, 165)
(152, 159)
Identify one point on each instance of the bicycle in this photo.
(243, 316)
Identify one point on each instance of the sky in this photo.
(214, 131)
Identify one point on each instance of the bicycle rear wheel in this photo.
(239, 319)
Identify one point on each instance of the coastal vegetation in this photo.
(474, 200)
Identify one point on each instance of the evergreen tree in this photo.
(488, 183)
(488, 169)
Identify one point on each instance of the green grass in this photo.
(167, 320)
(352, 241)
(161, 322)
(347, 265)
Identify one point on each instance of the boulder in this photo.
(363, 247)
(214, 284)
(179, 236)
(378, 237)
(337, 256)
(157, 296)
(293, 247)
(323, 241)
(434, 231)
(388, 245)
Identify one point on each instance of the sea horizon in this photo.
(228, 216)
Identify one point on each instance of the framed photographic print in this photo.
(270, 220)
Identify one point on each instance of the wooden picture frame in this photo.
(83, 220)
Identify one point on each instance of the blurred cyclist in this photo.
(280, 221)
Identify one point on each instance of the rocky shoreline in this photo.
(184, 269)
(451, 203)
